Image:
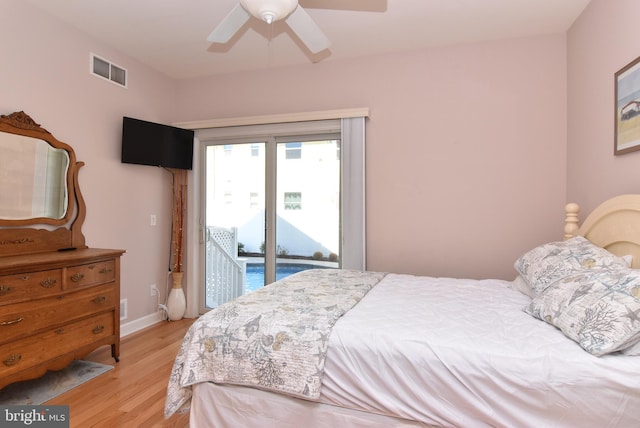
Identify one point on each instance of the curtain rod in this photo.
(275, 118)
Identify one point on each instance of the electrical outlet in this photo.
(153, 290)
(153, 220)
(123, 309)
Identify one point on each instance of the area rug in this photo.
(52, 384)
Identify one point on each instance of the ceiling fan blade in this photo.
(307, 30)
(229, 25)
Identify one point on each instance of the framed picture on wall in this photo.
(627, 108)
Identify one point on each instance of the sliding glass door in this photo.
(272, 208)
(307, 208)
(235, 219)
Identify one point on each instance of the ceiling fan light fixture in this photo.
(269, 10)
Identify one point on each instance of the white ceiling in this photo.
(170, 35)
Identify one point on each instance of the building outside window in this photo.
(254, 201)
(292, 200)
(293, 151)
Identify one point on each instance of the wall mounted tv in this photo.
(148, 143)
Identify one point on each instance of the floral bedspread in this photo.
(275, 338)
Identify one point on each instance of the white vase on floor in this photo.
(176, 303)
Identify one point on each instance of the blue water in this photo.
(255, 272)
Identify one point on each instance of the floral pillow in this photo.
(551, 262)
(599, 309)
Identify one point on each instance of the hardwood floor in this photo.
(132, 394)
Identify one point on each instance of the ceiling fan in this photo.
(270, 11)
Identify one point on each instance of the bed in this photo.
(558, 346)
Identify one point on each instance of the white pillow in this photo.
(632, 350)
(519, 284)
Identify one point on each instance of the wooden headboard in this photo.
(614, 225)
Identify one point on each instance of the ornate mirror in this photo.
(38, 186)
(33, 179)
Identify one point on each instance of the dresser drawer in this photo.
(22, 319)
(44, 346)
(90, 274)
(30, 285)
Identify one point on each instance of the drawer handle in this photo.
(77, 277)
(106, 270)
(15, 321)
(12, 360)
(4, 289)
(98, 329)
(48, 283)
(99, 299)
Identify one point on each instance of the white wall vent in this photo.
(123, 309)
(104, 69)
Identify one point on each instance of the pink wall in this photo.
(45, 72)
(465, 146)
(466, 151)
(602, 41)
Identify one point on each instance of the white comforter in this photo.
(454, 352)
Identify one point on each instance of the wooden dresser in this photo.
(55, 307)
(59, 299)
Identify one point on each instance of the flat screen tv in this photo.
(148, 143)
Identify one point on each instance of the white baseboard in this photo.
(140, 323)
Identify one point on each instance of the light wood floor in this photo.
(133, 393)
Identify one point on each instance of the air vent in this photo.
(104, 69)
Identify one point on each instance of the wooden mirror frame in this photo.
(14, 237)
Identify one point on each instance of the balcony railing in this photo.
(225, 272)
